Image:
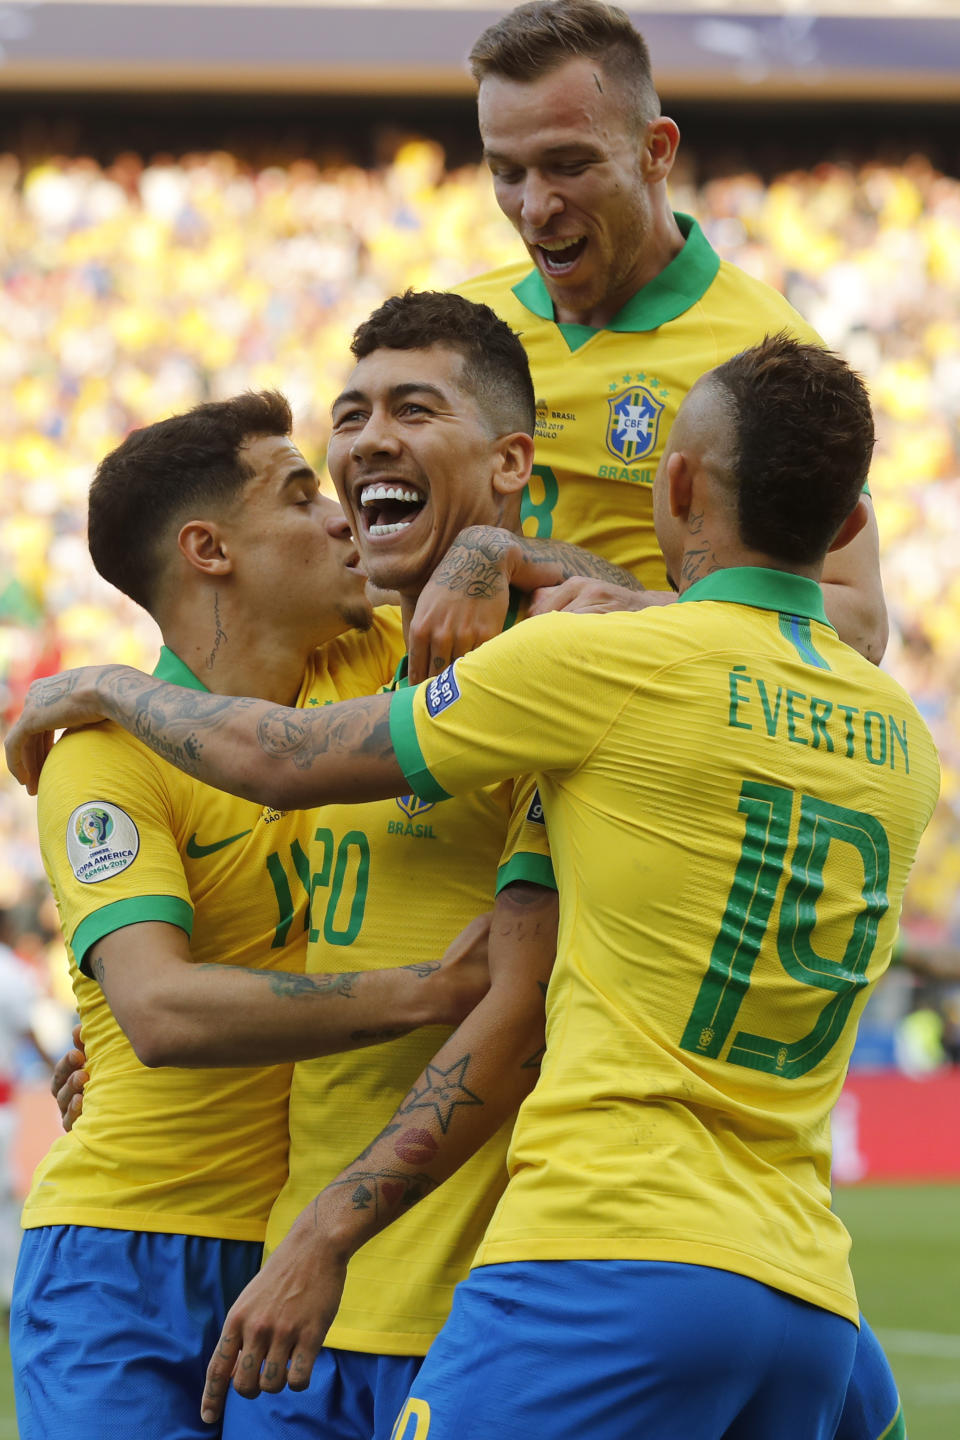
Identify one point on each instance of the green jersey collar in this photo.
(401, 680)
(172, 669)
(688, 276)
(763, 589)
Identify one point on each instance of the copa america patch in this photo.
(441, 692)
(102, 840)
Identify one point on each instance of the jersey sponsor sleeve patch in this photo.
(102, 840)
(442, 691)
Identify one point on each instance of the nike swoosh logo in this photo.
(197, 852)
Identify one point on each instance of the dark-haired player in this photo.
(184, 912)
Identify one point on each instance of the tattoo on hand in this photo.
(423, 968)
(472, 564)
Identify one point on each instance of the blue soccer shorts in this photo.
(613, 1350)
(871, 1410)
(111, 1330)
(351, 1396)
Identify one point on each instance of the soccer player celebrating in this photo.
(432, 434)
(184, 913)
(627, 303)
(668, 1212)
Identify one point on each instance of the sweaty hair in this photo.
(803, 439)
(166, 473)
(495, 367)
(534, 39)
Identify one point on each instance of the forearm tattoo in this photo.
(384, 1191)
(303, 735)
(175, 722)
(290, 986)
(576, 562)
(474, 564)
(441, 1091)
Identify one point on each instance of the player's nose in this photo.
(378, 437)
(539, 202)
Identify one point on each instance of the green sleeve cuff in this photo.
(136, 910)
(403, 734)
(535, 869)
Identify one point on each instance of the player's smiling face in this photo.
(292, 547)
(413, 462)
(567, 166)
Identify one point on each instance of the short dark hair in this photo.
(803, 440)
(162, 473)
(534, 39)
(495, 366)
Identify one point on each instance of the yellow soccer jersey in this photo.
(127, 838)
(606, 398)
(394, 882)
(720, 926)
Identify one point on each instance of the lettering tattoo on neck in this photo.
(219, 633)
(697, 563)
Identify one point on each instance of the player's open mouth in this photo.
(388, 509)
(558, 257)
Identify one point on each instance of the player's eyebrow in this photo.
(552, 152)
(302, 472)
(396, 392)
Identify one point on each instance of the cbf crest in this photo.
(633, 420)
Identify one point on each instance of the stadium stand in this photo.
(132, 290)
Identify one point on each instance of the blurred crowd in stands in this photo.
(131, 291)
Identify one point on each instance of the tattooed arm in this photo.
(466, 600)
(287, 758)
(472, 1087)
(176, 1012)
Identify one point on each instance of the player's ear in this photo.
(679, 484)
(201, 543)
(514, 460)
(851, 527)
(661, 138)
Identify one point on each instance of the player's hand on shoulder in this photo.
(579, 595)
(53, 703)
(68, 1081)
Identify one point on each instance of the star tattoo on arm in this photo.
(442, 1092)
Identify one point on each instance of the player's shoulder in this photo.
(493, 286)
(741, 298)
(79, 753)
